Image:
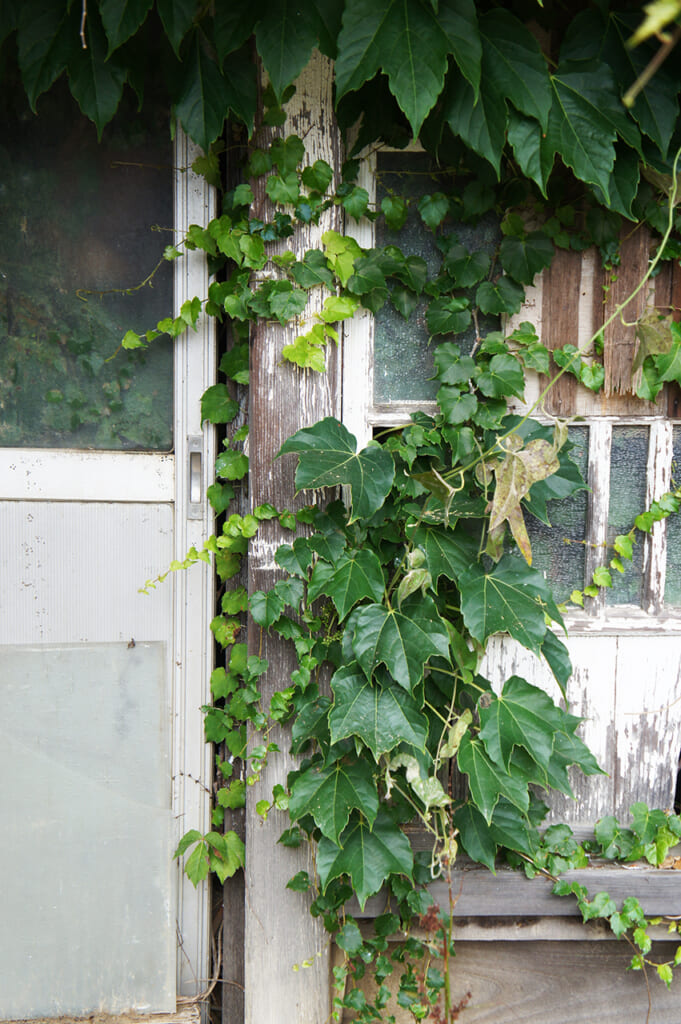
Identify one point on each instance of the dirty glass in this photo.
(672, 590)
(628, 462)
(403, 356)
(82, 223)
(559, 551)
(86, 905)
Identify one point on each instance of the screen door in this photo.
(100, 732)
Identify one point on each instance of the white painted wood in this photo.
(600, 441)
(195, 366)
(659, 478)
(64, 475)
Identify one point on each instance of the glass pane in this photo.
(86, 910)
(559, 551)
(628, 462)
(403, 359)
(672, 590)
(78, 230)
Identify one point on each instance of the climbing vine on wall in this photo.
(394, 592)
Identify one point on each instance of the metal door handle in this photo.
(195, 477)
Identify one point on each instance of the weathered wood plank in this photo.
(647, 721)
(510, 894)
(280, 933)
(551, 983)
(189, 1014)
(560, 302)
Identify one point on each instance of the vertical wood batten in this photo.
(658, 481)
(560, 302)
(280, 933)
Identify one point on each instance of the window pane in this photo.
(403, 359)
(77, 221)
(672, 590)
(628, 461)
(559, 551)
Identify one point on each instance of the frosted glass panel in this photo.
(628, 461)
(558, 551)
(86, 917)
(403, 359)
(78, 222)
(672, 592)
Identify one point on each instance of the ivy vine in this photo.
(396, 590)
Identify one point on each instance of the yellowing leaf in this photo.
(521, 468)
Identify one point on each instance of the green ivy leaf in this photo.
(521, 716)
(456, 407)
(95, 82)
(479, 120)
(510, 598)
(448, 315)
(285, 38)
(177, 17)
(381, 716)
(121, 19)
(467, 268)
(487, 780)
(328, 457)
(313, 270)
(505, 296)
(448, 552)
(404, 39)
(217, 405)
(513, 59)
(395, 210)
(475, 835)
(503, 376)
(433, 209)
(329, 793)
(266, 608)
(352, 578)
(204, 98)
(524, 258)
(231, 465)
(47, 39)
(401, 640)
(368, 856)
(233, 25)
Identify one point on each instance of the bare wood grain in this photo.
(560, 303)
(551, 983)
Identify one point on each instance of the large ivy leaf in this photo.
(475, 835)
(401, 640)
(47, 38)
(585, 118)
(521, 716)
(557, 658)
(513, 59)
(448, 552)
(9, 18)
(479, 120)
(240, 78)
(368, 856)
(177, 17)
(510, 598)
(459, 20)
(487, 780)
(285, 38)
(381, 716)
(204, 98)
(404, 39)
(95, 82)
(233, 25)
(122, 18)
(328, 458)
(330, 793)
(351, 579)
(512, 829)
